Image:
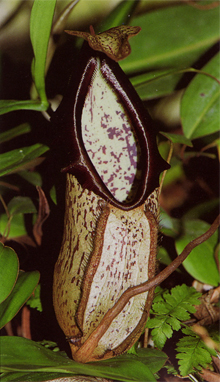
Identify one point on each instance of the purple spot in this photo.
(115, 156)
(130, 178)
(114, 190)
(106, 116)
(112, 132)
(103, 125)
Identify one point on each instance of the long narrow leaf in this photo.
(18, 158)
(201, 102)
(15, 132)
(121, 14)
(11, 105)
(33, 357)
(40, 27)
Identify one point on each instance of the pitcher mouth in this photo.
(126, 126)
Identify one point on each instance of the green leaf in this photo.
(153, 358)
(14, 228)
(40, 27)
(178, 138)
(24, 287)
(159, 338)
(172, 37)
(201, 210)
(50, 344)
(175, 173)
(201, 102)
(11, 105)
(32, 177)
(16, 159)
(9, 267)
(168, 225)
(33, 357)
(194, 154)
(121, 14)
(169, 309)
(30, 376)
(34, 301)
(192, 353)
(15, 132)
(21, 204)
(155, 83)
(53, 194)
(26, 376)
(175, 324)
(200, 263)
(164, 258)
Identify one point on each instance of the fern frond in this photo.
(169, 309)
(192, 353)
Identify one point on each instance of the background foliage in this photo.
(174, 67)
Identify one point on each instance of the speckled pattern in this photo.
(93, 270)
(82, 212)
(123, 263)
(109, 138)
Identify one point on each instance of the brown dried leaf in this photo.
(24, 240)
(10, 186)
(172, 378)
(204, 335)
(25, 322)
(215, 296)
(80, 378)
(216, 362)
(194, 4)
(210, 376)
(113, 42)
(43, 213)
(206, 312)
